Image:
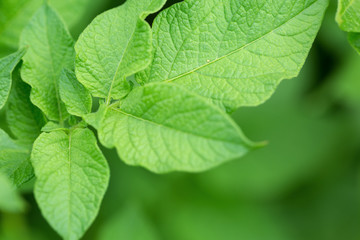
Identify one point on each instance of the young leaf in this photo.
(14, 160)
(72, 177)
(77, 99)
(10, 200)
(24, 119)
(348, 15)
(164, 128)
(354, 39)
(7, 66)
(50, 50)
(115, 45)
(233, 52)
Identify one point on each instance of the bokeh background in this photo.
(304, 185)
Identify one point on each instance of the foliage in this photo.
(160, 88)
(348, 18)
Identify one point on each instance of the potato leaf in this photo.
(164, 128)
(348, 15)
(76, 97)
(15, 160)
(52, 126)
(72, 177)
(24, 119)
(233, 52)
(50, 50)
(7, 66)
(114, 46)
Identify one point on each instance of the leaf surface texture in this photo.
(114, 46)
(164, 128)
(72, 177)
(348, 15)
(50, 50)
(233, 52)
(15, 160)
(7, 66)
(76, 97)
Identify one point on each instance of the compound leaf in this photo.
(50, 50)
(77, 99)
(10, 200)
(348, 15)
(15, 160)
(164, 127)
(72, 177)
(24, 119)
(115, 45)
(7, 66)
(233, 52)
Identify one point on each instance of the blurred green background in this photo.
(303, 185)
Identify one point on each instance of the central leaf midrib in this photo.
(58, 101)
(175, 129)
(239, 49)
(69, 186)
(118, 66)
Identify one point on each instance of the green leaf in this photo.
(7, 66)
(77, 99)
(348, 18)
(348, 15)
(115, 45)
(15, 160)
(52, 126)
(10, 200)
(354, 39)
(95, 118)
(24, 119)
(164, 128)
(273, 171)
(233, 52)
(72, 177)
(50, 50)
